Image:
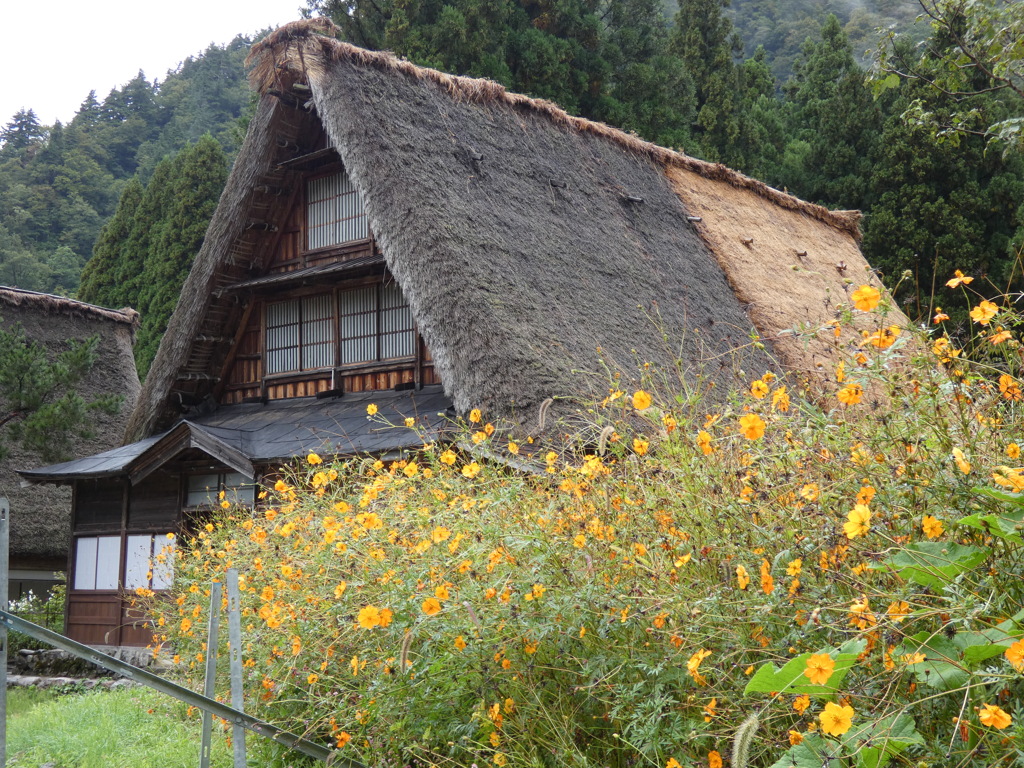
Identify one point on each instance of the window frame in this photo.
(335, 169)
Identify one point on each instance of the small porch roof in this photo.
(243, 436)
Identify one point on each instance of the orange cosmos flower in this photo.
(460, 643)
(858, 522)
(836, 720)
(693, 666)
(369, 617)
(1015, 655)
(641, 400)
(931, 526)
(819, 668)
(940, 316)
(767, 582)
(851, 394)
(883, 338)
(1000, 336)
(1010, 387)
(714, 760)
(959, 279)
(742, 577)
(866, 298)
(994, 717)
(752, 426)
(984, 312)
(343, 739)
(431, 606)
(704, 442)
(801, 703)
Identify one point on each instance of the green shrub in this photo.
(792, 579)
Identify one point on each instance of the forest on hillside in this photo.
(779, 89)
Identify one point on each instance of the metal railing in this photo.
(206, 703)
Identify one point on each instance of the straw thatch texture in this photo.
(789, 269)
(40, 515)
(524, 246)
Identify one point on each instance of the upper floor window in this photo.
(300, 334)
(334, 212)
(364, 325)
(375, 324)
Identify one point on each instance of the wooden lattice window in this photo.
(334, 212)
(375, 324)
(300, 334)
(205, 490)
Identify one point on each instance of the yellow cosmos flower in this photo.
(758, 389)
(371, 409)
(471, 470)
(448, 457)
(795, 567)
(898, 610)
(752, 426)
(795, 738)
(994, 716)
(858, 522)
(984, 312)
(1013, 451)
(460, 643)
(866, 298)
(673, 763)
(431, 606)
(475, 416)
(641, 400)
(513, 448)
(836, 720)
(411, 469)
(932, 527)
(819, 668)
(640, 446)
(780, 400)
(314, 459)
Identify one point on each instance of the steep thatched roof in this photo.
(540, 252)
(40, 516)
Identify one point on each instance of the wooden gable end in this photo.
(325, 316)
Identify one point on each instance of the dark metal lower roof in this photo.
(277, 431)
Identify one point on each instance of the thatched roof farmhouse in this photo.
(427, 244)
(41, 515)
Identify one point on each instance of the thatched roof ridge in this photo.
(300, 49)
(18, 297)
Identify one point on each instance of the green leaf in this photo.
(943, 667)
(791, 678)
(876, 742)
(932, 563)
(983, 645)
(813, 752)
(1015, 499)
(1004, 526)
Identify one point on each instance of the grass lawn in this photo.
(129, 728)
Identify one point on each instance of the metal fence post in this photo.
(5, 523)
(235, 657)
(211, 672)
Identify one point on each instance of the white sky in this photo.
(58, 51)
